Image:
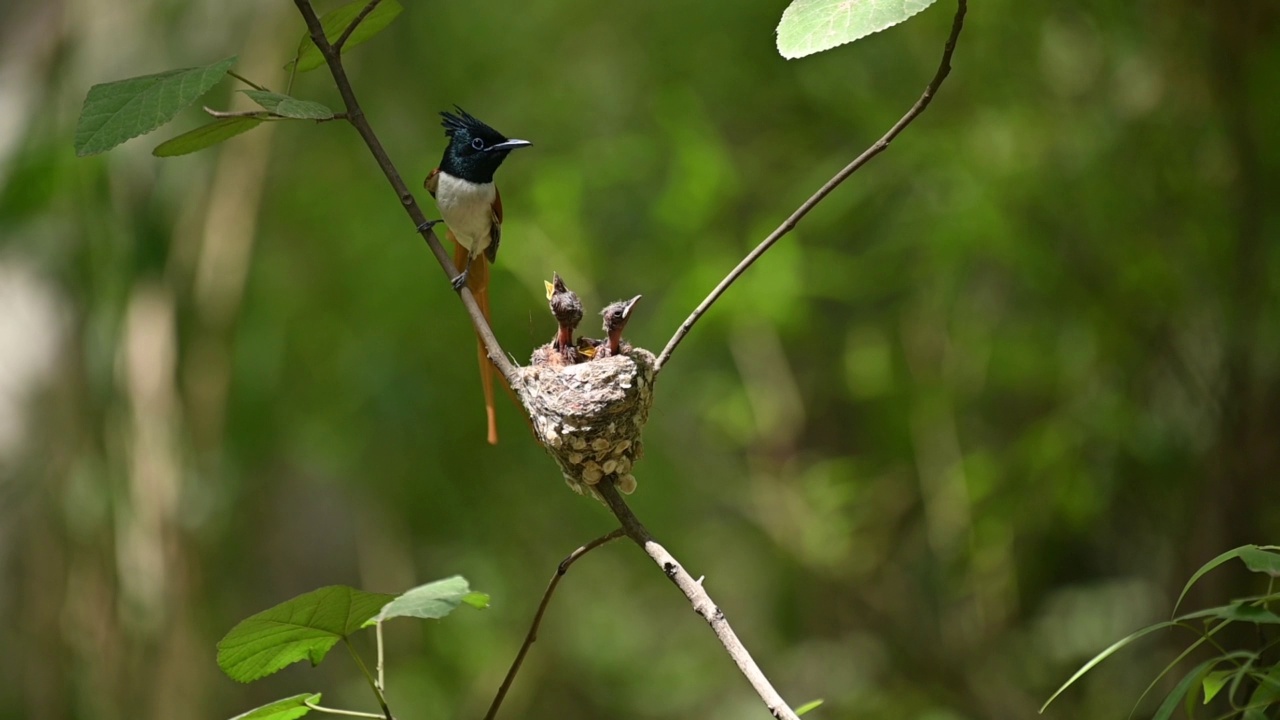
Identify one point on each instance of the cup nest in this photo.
(589, 416)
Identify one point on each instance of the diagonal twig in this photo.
(355, 115)
(699, 599)
(364, 12)
(944, 68)
(537, 617)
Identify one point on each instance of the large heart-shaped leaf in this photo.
(304, 628)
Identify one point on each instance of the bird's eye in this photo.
(478, 144)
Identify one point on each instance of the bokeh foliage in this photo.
(980, 416)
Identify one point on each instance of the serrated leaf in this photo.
(433, 600)
(1235, 552)
(1116, 646)
(289, 708)
(117, 111)
(336, 21)
(810, 26)
(1260, 561)
(289, 107)
(1214, 682)
(206, 136)
(304, 628)
(808, 706)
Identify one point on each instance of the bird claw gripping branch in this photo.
(588, 408)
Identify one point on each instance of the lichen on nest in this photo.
(589, 415)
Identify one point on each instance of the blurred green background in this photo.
(979, 416)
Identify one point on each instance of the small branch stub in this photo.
(589, 416)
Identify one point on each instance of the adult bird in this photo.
(472, 208)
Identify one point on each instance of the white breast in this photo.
(467, 208)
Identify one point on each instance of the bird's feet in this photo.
(461, 281)
(428, 225)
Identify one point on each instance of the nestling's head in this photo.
(617, 314)
(564, 302)
(475, 150)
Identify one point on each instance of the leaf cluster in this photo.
(1227, 669)
(308, 626)
(117, 111)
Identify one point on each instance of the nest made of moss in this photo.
(589, 415)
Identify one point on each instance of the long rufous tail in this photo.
(478, 284)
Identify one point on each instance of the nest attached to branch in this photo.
(589, 415)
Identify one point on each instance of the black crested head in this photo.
(475, 150)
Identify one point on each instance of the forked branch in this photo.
(631, 526)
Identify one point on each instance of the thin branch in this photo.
(247, 81)
(382, 678)
(699, 599)
(240, 113)
(268, 115)
(355, 115)
(944, 68)
(336, 711)
(373, 683)
(364, 12)
(537, 617)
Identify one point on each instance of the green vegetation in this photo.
(982, 414)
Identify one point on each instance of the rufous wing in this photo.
(432, 181)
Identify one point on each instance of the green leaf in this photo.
(808, 706)
(304, 628)
(1117, 645)
(1206, 568)
(810, 26)
(206, 136)
(1268, 690)
(287, 709)
(1236, 612)
(1261, 561)
(1213, 682)
(1186, 652)
(289, 107)
(433, 600)
(1180, 691)
(336, 21)
(117, 111)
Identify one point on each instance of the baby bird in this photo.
(567, 309)
(616, 316)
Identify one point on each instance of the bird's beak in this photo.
(508, 145)
(626, 309)
(551, 289)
